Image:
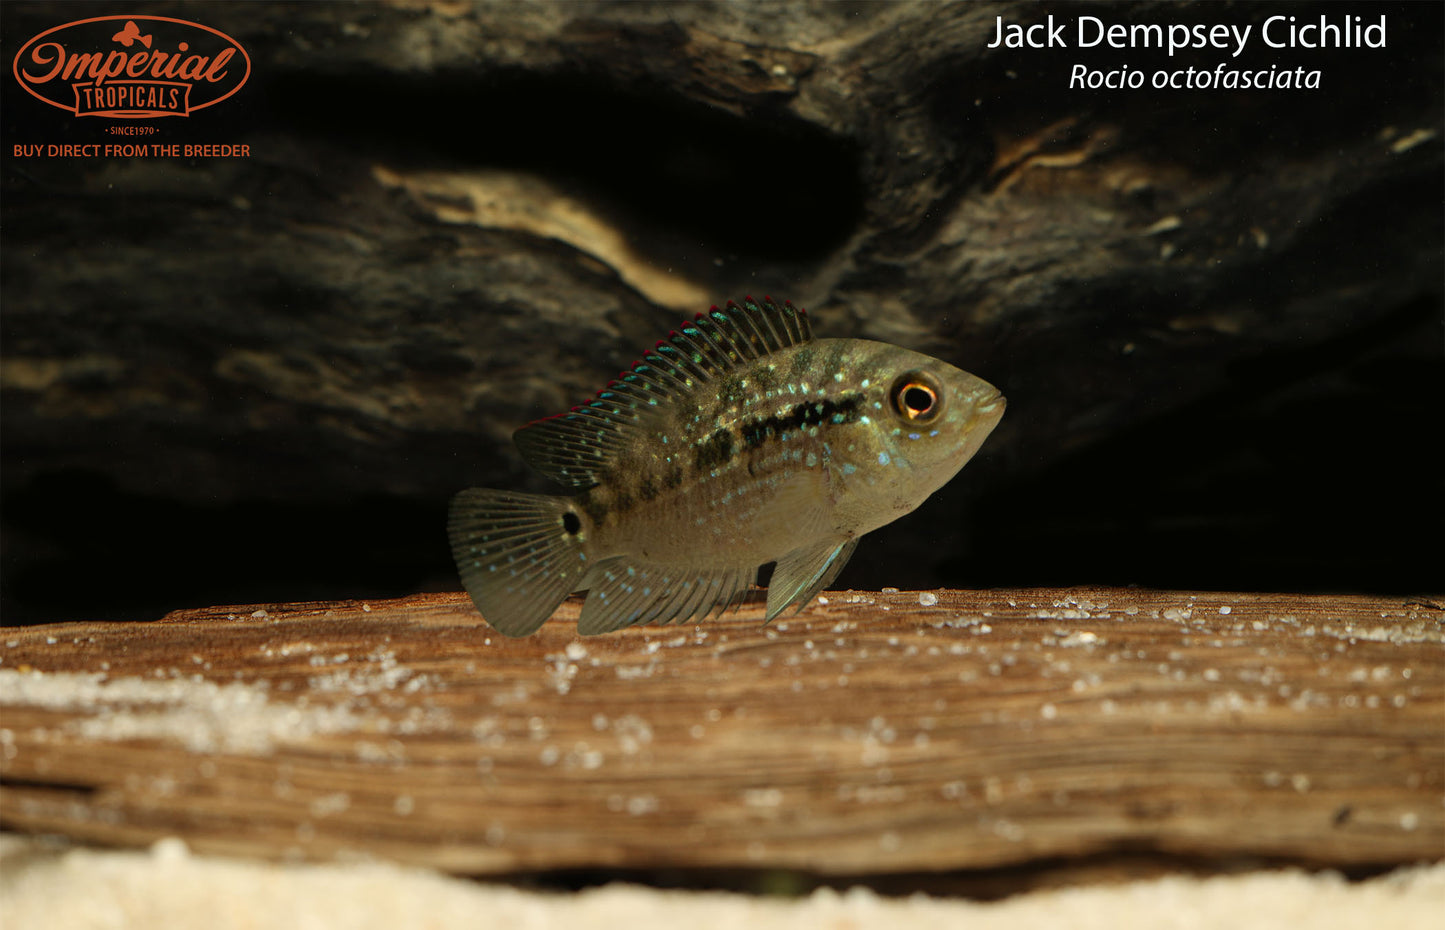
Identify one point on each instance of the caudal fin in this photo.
(519, 555)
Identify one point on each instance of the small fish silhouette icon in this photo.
(129, 34)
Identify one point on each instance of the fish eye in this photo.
(917, 397)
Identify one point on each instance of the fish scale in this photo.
(737, 441)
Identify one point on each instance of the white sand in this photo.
(169, 888)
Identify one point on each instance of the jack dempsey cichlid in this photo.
(738, 440)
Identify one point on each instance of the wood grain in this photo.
(871, 733)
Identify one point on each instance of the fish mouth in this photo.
(988, 412)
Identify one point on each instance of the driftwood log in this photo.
(871, 733)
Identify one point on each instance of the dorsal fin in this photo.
(575, 447)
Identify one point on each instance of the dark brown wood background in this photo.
(1216, 314)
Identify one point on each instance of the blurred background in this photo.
(1217, 315)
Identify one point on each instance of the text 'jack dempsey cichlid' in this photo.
(739, 440)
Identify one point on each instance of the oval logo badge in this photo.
(132, 67)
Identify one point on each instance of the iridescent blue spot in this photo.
(849, 469)
(915, 435)
(883, 458)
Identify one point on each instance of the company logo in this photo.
(132, 67)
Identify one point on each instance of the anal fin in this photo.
(805, 571)
(623, 592)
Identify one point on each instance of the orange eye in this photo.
(917, 397)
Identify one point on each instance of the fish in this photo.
(738, 440)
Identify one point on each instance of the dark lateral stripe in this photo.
(846, 409)
(715, 450)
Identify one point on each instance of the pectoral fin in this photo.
(804, 572)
